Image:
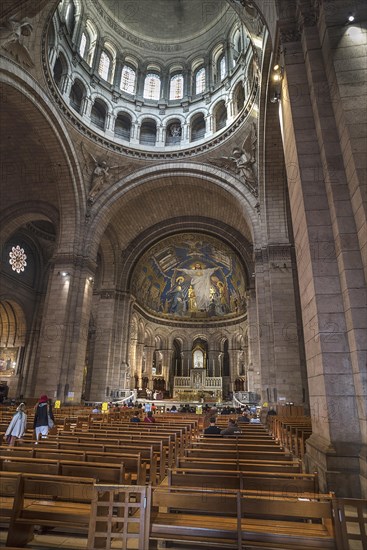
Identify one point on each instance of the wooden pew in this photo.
(54, 501)
(236, 443)
(285, 466)
(351, 522)
(9, 483)
(235, 519)
(162, 444)
(102, 472)
(146, 454)
(237, 454)
(135, 468)
(244, 479)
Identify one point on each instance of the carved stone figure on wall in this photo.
(242, 161)
(100, 172)
(100, 177)
(11, 40)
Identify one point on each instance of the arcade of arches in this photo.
(184, 208)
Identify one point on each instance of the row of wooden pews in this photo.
(103, 454)
(242, 492)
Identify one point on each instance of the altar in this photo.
(197, 387)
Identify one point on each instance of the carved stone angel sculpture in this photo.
(11, 34)
(242, 161)
(100, 173)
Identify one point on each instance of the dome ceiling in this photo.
(167, 21)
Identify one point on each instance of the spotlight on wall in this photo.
(277, 73)
(351, 18)
(63, 273)
(90, 279)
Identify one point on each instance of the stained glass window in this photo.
(152, 86)
(176, 87)
(128, 78)
(17, 258)
(222, 67)
(200, 81)
(83, 44)
(104, 65)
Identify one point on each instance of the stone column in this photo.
(329, 264)
(118, 73)
(101, 384)
(167, 359)
(149, 353)
(233, 366)
(64, 332)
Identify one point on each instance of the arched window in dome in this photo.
(104, 65)
(83, 44)
(222, 68)
(200, 80)
(128, 79)
(98, 114)
(60, 71)
(220, 116)
(238, 98)
(123, 126)
(197, 127)
(236, 45)
(152, 86)
(70, 17)
(173, 132)
(176, 87)
(51, 38)
(148, 132)
(87, 43)
(77, 94)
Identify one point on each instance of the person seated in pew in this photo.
(149, 417)
(135, 418)
(232, 428)
(244, 418)
(212, 429)
(255, 419)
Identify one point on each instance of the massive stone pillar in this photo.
(277, 334)
(64, 332)
(332, 285)
(101, 384)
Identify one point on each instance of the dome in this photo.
(169, 79)
(171, 21)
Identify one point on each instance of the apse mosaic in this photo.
(190, 276)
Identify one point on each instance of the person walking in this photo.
(17, 426)
(43, 417)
